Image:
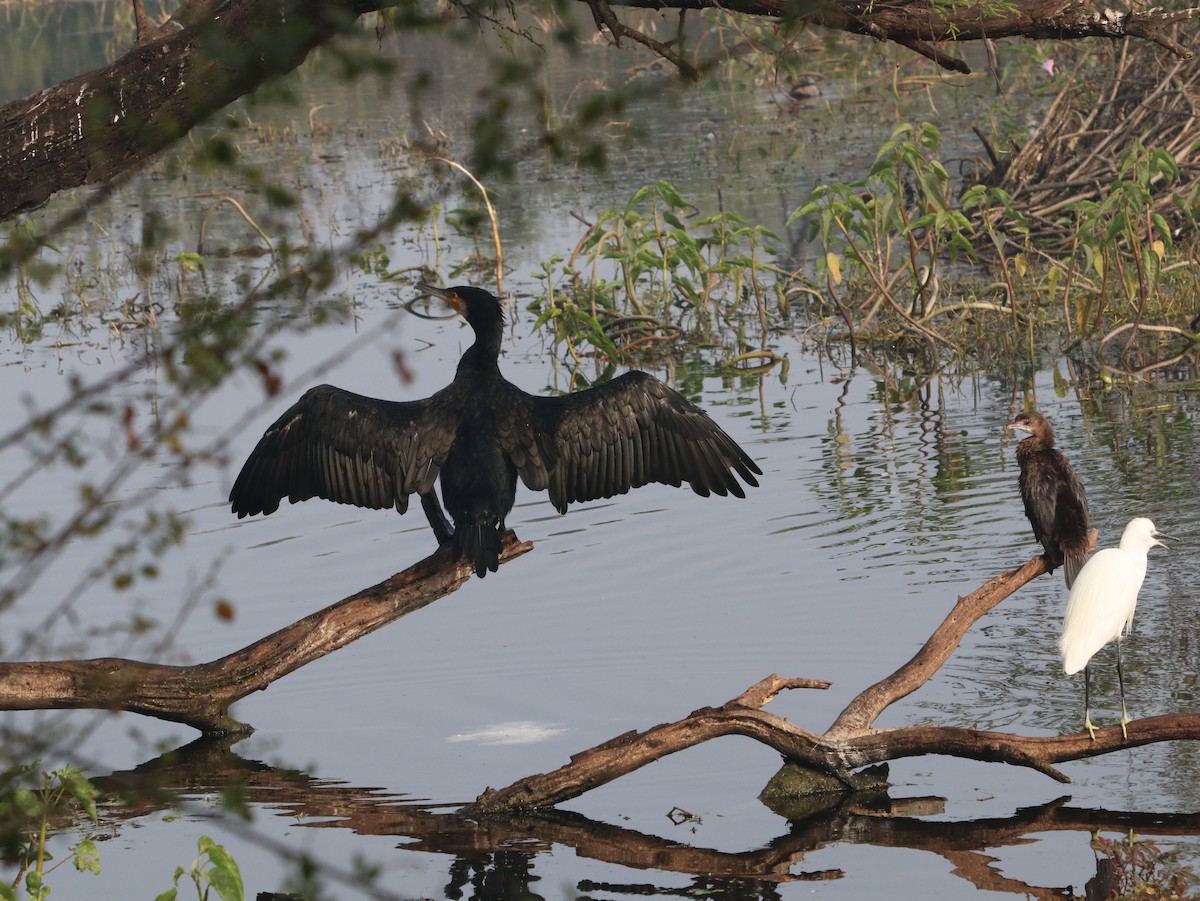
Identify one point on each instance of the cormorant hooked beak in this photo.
(445, 294)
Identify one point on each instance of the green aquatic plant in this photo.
(658, 270)
(31, 807)
(1122, 239)
(214, 868)
(885, 236)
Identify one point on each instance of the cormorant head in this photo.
(1033, 424)
(480, 308)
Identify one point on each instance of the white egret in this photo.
(1100, 607)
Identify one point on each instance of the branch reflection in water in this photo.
(498, 856)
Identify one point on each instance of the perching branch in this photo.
(201, 695)
(851, 742)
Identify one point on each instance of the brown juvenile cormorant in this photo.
(1055, 501)
(478, 434)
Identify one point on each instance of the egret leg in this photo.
(1087, 706)
(1121, 685)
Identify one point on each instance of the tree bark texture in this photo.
(201, 695)
(94, 127)
(921, 26)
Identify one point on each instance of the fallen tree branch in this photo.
(920, 25)
(850, 743)
(200, 695)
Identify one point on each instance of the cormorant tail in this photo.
(1072, 564)
(480, 542)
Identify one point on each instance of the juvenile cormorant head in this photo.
(1035, 425)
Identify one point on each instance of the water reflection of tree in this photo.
(863, 473)
(496, 858)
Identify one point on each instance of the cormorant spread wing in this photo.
(629, 432)
(345, 447)
(477, 435)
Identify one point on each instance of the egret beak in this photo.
(445, 294)
(1158, 540)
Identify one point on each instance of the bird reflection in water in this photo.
(499, 876)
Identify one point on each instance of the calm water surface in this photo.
(879, 507)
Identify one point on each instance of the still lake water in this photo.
(878, 509)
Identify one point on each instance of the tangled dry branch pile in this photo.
(1148, 99)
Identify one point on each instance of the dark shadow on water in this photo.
(495, 859)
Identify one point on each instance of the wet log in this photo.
(200, 695)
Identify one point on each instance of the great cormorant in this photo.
(478, 434)
(1055, 500)
(1101, 607)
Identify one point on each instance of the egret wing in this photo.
(1100, 606)
(347, 448)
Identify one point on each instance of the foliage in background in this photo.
(645, 276)
(885, 237)
(890, 241)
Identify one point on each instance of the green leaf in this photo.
(169, 895)
(79, 788)
(224, 876)
(33, 885)
(668, 193)
(638, 197)
(87, 857)
(1161, 226)
(27, 802)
